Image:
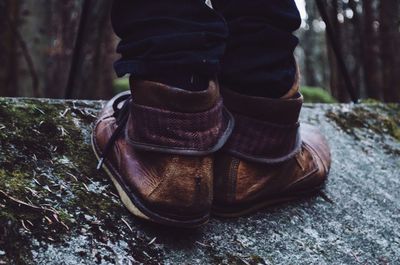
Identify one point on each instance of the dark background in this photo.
(48, 48)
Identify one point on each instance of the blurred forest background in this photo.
(65, 49)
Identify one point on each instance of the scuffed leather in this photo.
(175, 186)
(238, 182)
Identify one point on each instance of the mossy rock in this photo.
(46, 161)
(56, 208)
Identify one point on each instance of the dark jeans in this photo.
(248, 43)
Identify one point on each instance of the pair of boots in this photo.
(175, 156)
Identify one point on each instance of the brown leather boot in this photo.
(270, 158)
(157, 146)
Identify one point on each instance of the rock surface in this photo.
(55, 208)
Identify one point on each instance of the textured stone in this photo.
(55, 208)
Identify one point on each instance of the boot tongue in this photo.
(161, 96)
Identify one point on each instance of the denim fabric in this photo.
(248, 43)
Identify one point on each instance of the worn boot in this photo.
(270, 158)
(156, 144)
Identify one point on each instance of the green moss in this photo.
(65, 217)
(46, 147)
(316, 95)
(383, 119)
(121, 84)
(35, 142)
(370, 101)
(15, 181)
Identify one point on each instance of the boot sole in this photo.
(235, 211)
(137, 208)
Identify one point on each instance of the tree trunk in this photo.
(354, 48)
(390, 44)
(310, 47)
(370, 45)
(91, 72)
(64, 26)
(37, 41)
(34, 40)
(338, 87)
(8, 53)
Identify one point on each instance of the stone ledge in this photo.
(46, 161)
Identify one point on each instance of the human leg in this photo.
(156, 141)
(259, 56)
(177, 42)
(269, 158)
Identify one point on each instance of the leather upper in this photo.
(243, 177)
(173, 185)
(266, 130)
(238, 181)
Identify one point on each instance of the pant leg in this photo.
(259, 56)
(162, 37)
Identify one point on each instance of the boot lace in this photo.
(121, 115)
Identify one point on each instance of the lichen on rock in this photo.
(379, 119)
(56, 208)
(46, 162)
